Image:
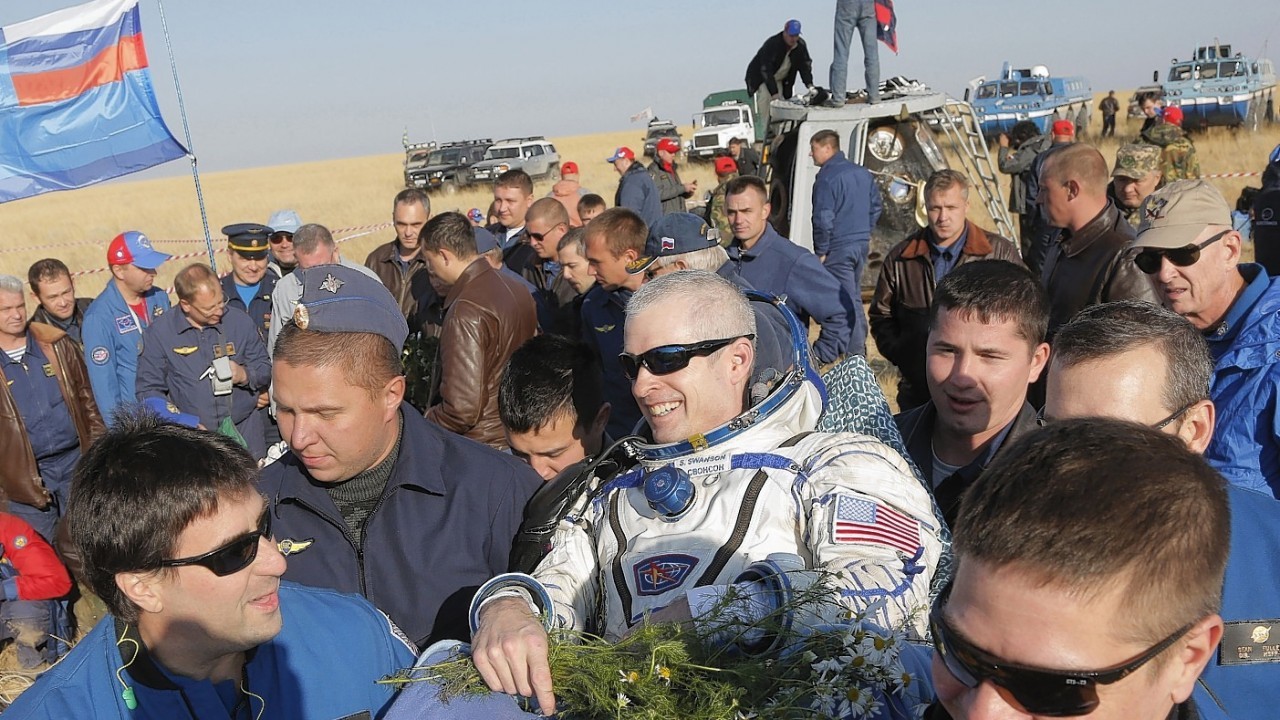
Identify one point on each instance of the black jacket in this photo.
(916, 427)
(769, 58)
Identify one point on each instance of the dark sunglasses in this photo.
(1054, 693)
(1148, 261)
(233, 556)
(671, 358)
(280, 237)
(542, 236)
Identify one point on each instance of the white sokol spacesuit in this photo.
(757, 496)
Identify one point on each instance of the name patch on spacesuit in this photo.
(1249, 642)
(705, 464)
(661, 573)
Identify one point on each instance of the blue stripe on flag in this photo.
(8, 96)
(43, 53)
(108, 131)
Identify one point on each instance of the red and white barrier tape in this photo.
(1232, 175)
(359, 231)
(177, 241)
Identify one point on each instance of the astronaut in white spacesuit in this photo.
(727, 492)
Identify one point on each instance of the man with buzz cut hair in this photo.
(486, 317)
(1140, 362)
(1089, 261)
(712, 503)
(399, 263)
(180, 546)
(984, 348)
(1187, 245)
(913, 268)
(372, 497)
(1089, 565)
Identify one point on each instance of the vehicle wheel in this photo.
(450, 187)
(780, 210)
(1082, 121)
(553, 173)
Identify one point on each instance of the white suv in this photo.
(534, 155)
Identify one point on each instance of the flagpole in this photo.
(186, 129)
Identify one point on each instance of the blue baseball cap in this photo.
(336, 298)
(284, 221)
(793, 27)
(167, 411)
(675, 234)
(132, 247)
(485, 240)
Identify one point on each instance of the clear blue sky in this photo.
(280, 81)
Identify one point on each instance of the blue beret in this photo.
(336, 298)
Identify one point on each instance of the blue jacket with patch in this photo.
(112, 344)
(603, 315)
(1248, 687)
(780, 267)
(1246, 382)
(846, 204)
(442, 527)
(324, 663)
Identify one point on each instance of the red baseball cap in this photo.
(1173, 115)
(1064, 127)
(726, 165)
(668, 144)
(569, 168)
(622, 152)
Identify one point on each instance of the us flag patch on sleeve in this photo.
(858, 520)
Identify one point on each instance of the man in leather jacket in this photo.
(487, 316)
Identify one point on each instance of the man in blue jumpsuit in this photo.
(178, 543)
(114, 322)
(775, 265)
(250, 287)
(846, 206)
(372, 498)
(208, 359)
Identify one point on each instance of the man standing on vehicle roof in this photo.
(771, 75)
(114, 322)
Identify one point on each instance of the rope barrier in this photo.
(355, 232)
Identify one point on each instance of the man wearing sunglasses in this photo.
(1139, 362)
(703, 509)
(1089, 568)
(1087, 263)
(284, 258)
(1187, 246)
(546, 223)
(179, 545)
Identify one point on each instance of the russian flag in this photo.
(887, 24)
(76, 102)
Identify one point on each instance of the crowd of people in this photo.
(624, 420)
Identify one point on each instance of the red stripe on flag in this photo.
(106, 67)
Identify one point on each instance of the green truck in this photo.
(725, 115)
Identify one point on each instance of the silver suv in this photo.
(534, 155)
